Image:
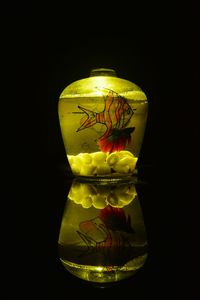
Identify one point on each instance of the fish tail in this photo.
(115, 139)
(91, 118)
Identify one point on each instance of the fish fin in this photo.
(89, 242)
(91, 118)
(115, 219)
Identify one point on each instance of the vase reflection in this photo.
(102, 235)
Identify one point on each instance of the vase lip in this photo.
(103, 72)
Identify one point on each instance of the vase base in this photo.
(108, 179)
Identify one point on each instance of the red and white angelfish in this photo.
(115, 116)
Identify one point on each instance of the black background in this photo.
(48, 47)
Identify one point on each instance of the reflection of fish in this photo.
(108, 234)
(115, 219)
(115, 116)
(93, 232)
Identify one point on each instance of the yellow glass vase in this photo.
(102, 120)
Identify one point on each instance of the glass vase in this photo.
(102, 121)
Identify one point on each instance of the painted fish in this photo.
(108, 234)
(115, 116)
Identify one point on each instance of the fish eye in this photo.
(128, 111)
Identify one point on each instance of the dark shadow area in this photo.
(154, 47)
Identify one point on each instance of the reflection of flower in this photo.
(100, 196)
(101, 163)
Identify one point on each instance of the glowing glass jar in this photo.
(102, 120)
(102, 236)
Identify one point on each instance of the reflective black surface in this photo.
(37, 258)
(153, 46)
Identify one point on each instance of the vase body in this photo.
(102, 235)
(102, 120)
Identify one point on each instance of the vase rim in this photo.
(103, 72)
